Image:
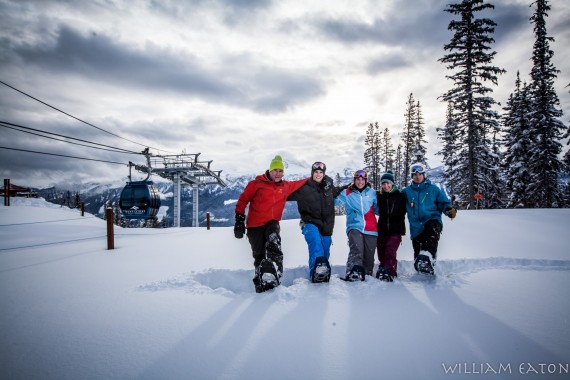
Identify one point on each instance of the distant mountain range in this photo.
(217, 200)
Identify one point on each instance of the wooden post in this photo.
(110, 232)
(82, 208)
(208, 220)
(6, 192)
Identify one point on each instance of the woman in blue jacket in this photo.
(425, 204)
(361, 227)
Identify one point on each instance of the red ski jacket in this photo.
(266, 199)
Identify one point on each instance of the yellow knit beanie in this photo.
(276, 163)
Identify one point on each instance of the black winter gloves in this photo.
(239, 227)
(451, 212)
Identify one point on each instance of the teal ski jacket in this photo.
(425, 201)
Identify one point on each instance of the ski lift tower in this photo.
(185, 169)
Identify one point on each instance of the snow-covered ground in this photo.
(180, 304)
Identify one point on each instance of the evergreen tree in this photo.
(408, 138)
(448, 137)
(117, 215)
(339, 210)
(399, 171)
(494, 176)
(546, 130)
(419, 133)
(388, 152)
(68, 198)
(107, 205)
(476, 122)
(372, 154)
(566, 186)
(517, 145)
(566, 162)
(337, 180)
(77, 201)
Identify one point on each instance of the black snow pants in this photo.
(428, 239)
(265, 242)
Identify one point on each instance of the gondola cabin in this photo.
(139, 200)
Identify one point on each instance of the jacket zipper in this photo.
(362, 212)
(388, 214)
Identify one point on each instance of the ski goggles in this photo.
(319, 166)
(417, 168)
(361, 174)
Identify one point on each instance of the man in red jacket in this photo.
(266, 196)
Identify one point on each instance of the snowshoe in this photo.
(423, 264)
(384, 275)
(267, 276)
(321, 271)
(355, 274)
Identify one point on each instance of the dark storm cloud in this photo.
(510, 19)
(422, 26)
(261, 88)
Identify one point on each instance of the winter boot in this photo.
(384, 275)
(267, 276)
(355, 274)
(423, 263)
(273, 251)
(321, 271)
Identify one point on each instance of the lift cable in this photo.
(76, 118)
(29, 130)
(62, 155)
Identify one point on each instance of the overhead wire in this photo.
(38, 132)
(78, 119)
(62, 155)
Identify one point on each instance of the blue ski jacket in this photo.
(425, 201)
(361, 209)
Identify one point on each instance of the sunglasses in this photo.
(361, 174)
(319, 166)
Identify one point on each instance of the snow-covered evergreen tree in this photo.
(399, 170)
(494, 175)
(470, 58)
(545, 127)
(387, 151)
(447, 135)
(420, 143)
(118, 218)
(77, 201)
(340, 209)
(408, 138)
(566, 186)
(517, 144)
(372, 155)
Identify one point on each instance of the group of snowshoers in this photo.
(316, 198)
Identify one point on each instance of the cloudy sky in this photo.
(237, 81)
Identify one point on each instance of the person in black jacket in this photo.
(391, 226)
(315, 201)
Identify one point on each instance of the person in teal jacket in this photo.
(361, 227)
(425, 204)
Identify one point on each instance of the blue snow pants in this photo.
(318, 245)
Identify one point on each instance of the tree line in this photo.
(491, 159)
